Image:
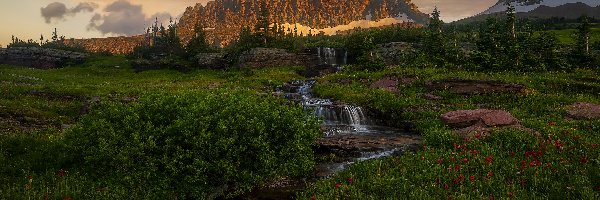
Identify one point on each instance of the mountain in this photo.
(224, 19)
(550, 8)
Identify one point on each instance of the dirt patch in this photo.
(584, 111)
(366, 143)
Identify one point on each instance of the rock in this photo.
(212, 60)
(461, 86)
(366, 142)
(432, 97)
(87, 105)
(396, 53)
(267, 58)
(468, 122)
(584, 111)
(41, 58)
(387, 84)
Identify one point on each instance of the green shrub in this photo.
(197, 144)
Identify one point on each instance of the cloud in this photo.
(124, 18)
(58, 10)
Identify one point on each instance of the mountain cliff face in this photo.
(223, 19)
(526, 6)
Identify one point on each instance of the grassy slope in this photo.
(567, 36)
(34, 104)
(421, 176)
(39, 96)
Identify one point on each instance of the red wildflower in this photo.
(46, 196)
(312, 197)
(467, 139)
(594, 146)
(350, 180)
(338, 185)
(510, 194)
(551, 123)
(465, 160)
(472, 178)
(461, 177)
(67, 198)
(445, 186)
(30, 178)
(558, 144)
(424, 146)
(584, 160)
(440, 161)
(452, 158)
(491, 197)
(457, 168)
(489, 159)
(512, 154)
(490, 174)
(523, 164)
(478, 135)
(61, 173)
(422, 157)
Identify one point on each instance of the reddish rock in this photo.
(584, 111)
(387, 84)
(483, 121)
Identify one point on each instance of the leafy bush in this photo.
(197, 144)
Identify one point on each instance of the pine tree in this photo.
(198, 43)
(583, 35)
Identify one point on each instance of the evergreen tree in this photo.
(583, 35)
(198, 43)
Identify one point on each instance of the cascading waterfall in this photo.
(332, 56)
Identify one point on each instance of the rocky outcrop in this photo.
(366, 142)
(42, 58)
(396, 53)
(387, 84)
(584, 111)
(461, 86)
(212, 60)
(482, 121)
(223, 19)
(268, 57)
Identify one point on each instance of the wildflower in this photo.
(594, 146)
(489, 159)
(46, 196)
(452, 158)
(61, 173)
(491, 197)
(350, 180)
(30, 178)
(446, 186)
(312, 197)
(523, 164)
(490, 174)
(467, 139)
(551, 123)
(510, 194)
(457, 168)
(584, 160)
(440, 161)
(424, 146)
(512, 154)
(472, 178)
(67, 198)
(478, 135)
(558, 144)
(465, 160)
(422, 157)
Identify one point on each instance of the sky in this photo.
(29, 19)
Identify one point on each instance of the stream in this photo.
(350, 134)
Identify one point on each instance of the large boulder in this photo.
(584, 111)
(462, 86)
(212, 60)
(469, 122)
(267, 58)
(42, 58)
(396, 53)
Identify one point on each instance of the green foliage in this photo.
(196, 144)
(198, 43)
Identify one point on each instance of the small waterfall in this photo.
(332, 56)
